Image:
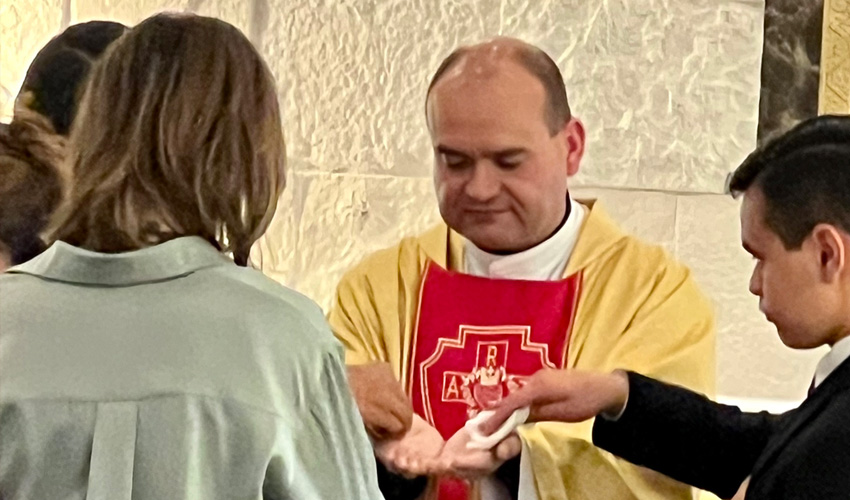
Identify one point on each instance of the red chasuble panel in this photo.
(477, 339)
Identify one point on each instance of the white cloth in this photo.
(545, 262)
(479, 441)
(839, 352)
(490, 488)
(527, 490)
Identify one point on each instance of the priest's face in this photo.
(500, 174)
(801, 291)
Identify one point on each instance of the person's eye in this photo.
(510, 162)
(452, 160)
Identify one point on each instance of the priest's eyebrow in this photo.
(500, 153)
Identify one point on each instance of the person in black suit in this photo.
(795, 221)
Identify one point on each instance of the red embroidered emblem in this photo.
(478, 339)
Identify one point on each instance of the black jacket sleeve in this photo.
(686, 436)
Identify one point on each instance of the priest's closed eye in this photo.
(510, 161)
(454, 160)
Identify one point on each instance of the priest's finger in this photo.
(510, 447)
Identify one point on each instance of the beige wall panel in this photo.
(330, 222)
(752, 361)
(647, 215)
(130, 12)
(352, 77)
(668, 90)
(25, 26)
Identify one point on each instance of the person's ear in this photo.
(829, 247)
(574, 136)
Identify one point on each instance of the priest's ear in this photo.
(831, 245)
(574, 136)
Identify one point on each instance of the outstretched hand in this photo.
(459, 460)
(564, 396)
(551, 395)
(414, 454)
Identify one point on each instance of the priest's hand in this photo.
(415, 453)
(564, 396)
(458, 460)
(383, 405)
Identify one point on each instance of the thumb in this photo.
(510, 447)
(503, 410)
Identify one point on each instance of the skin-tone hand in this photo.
(459, 461)
(564, 396)
(383, 405)
(742, 491)
(413, 454)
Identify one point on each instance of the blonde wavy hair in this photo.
(178, 134)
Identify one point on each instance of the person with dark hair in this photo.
(795, 222)
(519, 277)
(139, 358)
(31, 146)
(55, 78)
(30, 186)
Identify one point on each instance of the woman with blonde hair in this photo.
(137, 359)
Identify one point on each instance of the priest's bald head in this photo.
(504, 142)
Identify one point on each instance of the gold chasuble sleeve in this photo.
(374, 311)
(638, 309)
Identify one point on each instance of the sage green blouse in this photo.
(170, 373)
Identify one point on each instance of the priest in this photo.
(519, 277)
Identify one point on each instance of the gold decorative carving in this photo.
(834, 94)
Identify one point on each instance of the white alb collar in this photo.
(544, 262)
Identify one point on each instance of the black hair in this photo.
(57, 74)
(804, 176)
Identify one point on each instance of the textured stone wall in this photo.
(668, 90)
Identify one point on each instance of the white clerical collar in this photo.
(840, 351)
(544, 262)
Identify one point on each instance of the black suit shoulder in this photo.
(809, 456)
